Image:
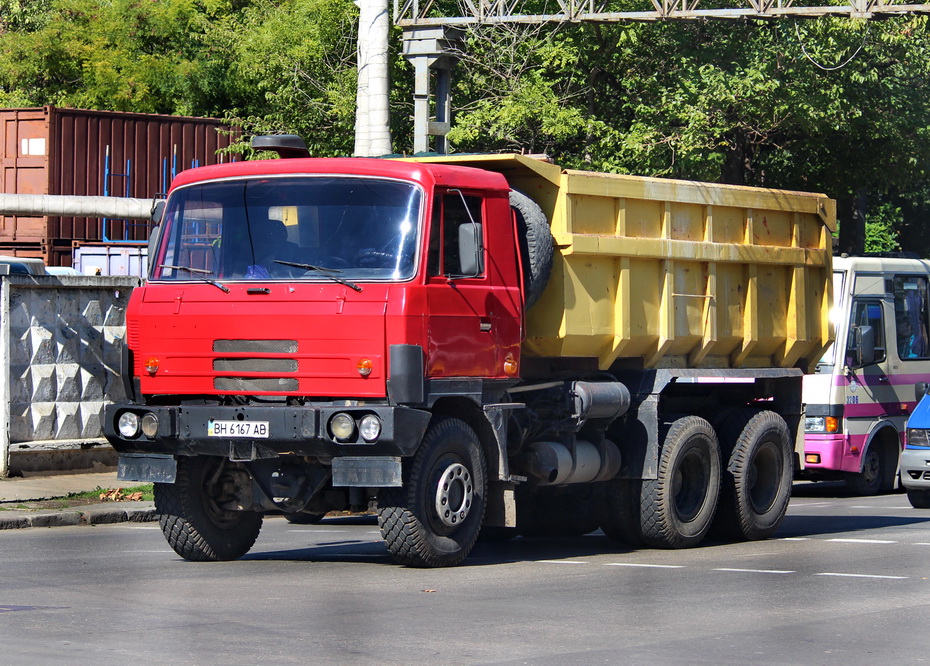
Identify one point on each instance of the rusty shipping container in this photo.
(72, 151)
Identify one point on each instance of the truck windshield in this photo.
(288, 228)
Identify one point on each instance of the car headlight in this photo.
(128, 425)
(370, 427)
(917, 437)
(342, 426)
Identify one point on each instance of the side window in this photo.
(910, 317)
(868, 313)
(452, 211)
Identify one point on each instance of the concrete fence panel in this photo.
(61, 341)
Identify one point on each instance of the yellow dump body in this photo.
(676, 273)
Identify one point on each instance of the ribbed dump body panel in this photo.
(676, 273)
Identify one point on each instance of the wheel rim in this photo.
(689, 485)
(212, 494)
(454, 495)
(872, 467)
(764, 480)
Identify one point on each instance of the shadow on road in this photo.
(526, 549)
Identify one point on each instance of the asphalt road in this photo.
(846, 581)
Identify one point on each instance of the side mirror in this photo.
(862, 351)
(153, 243)
(158, 212)
(471, 249)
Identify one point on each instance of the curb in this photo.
(92, 514)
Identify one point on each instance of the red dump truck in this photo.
(474, 345)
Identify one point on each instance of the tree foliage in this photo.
(835, 105)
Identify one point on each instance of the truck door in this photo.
(462, 337)
(869, 392)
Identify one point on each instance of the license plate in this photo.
(252, 429)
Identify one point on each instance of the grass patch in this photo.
(92, 496)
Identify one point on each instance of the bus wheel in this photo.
(434, 520)
(678, 506)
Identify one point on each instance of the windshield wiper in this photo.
(199, 273)
(325, 272)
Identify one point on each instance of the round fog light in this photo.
(370, 427)
(342, 426)
(150, 424)
(128, 425)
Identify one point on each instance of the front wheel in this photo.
(678, 506)
(434, 520)
(919, 498)
(192, 518)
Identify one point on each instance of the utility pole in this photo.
(372, 120)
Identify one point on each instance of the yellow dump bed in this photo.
(676, 273)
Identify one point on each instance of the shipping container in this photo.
(109, 259)
(71, 151)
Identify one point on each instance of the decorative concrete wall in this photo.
(61, 339)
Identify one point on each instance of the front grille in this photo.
(255, 365)
(917, 474)
(255, 384)
(255, 346)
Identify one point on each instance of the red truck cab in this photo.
(304, 322)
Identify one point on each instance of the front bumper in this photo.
(833, 451)
(915, 468)
(301, 431)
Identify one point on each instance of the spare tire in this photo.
(536, 245)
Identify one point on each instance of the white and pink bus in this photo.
(858, 401)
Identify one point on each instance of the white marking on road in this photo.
(922, 544)
(762, 571)
(644, 566)
(850, 575)
(861, 541)
(563, 562)
(794, 539)
(319, 531)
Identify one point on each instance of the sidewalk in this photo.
(19, 495)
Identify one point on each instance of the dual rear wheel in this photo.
(734, 482)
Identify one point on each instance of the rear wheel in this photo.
(192, 518)
(621, 512)
(678, 506)
(919, 498)
(756, 483)
(434, 520)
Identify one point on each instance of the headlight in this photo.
(814, 424)
(342, 426)
(370, 427)
(917, 437)
(150, 424)
(128, 425)
(822, 424)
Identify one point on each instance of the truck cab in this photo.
(862, 391)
